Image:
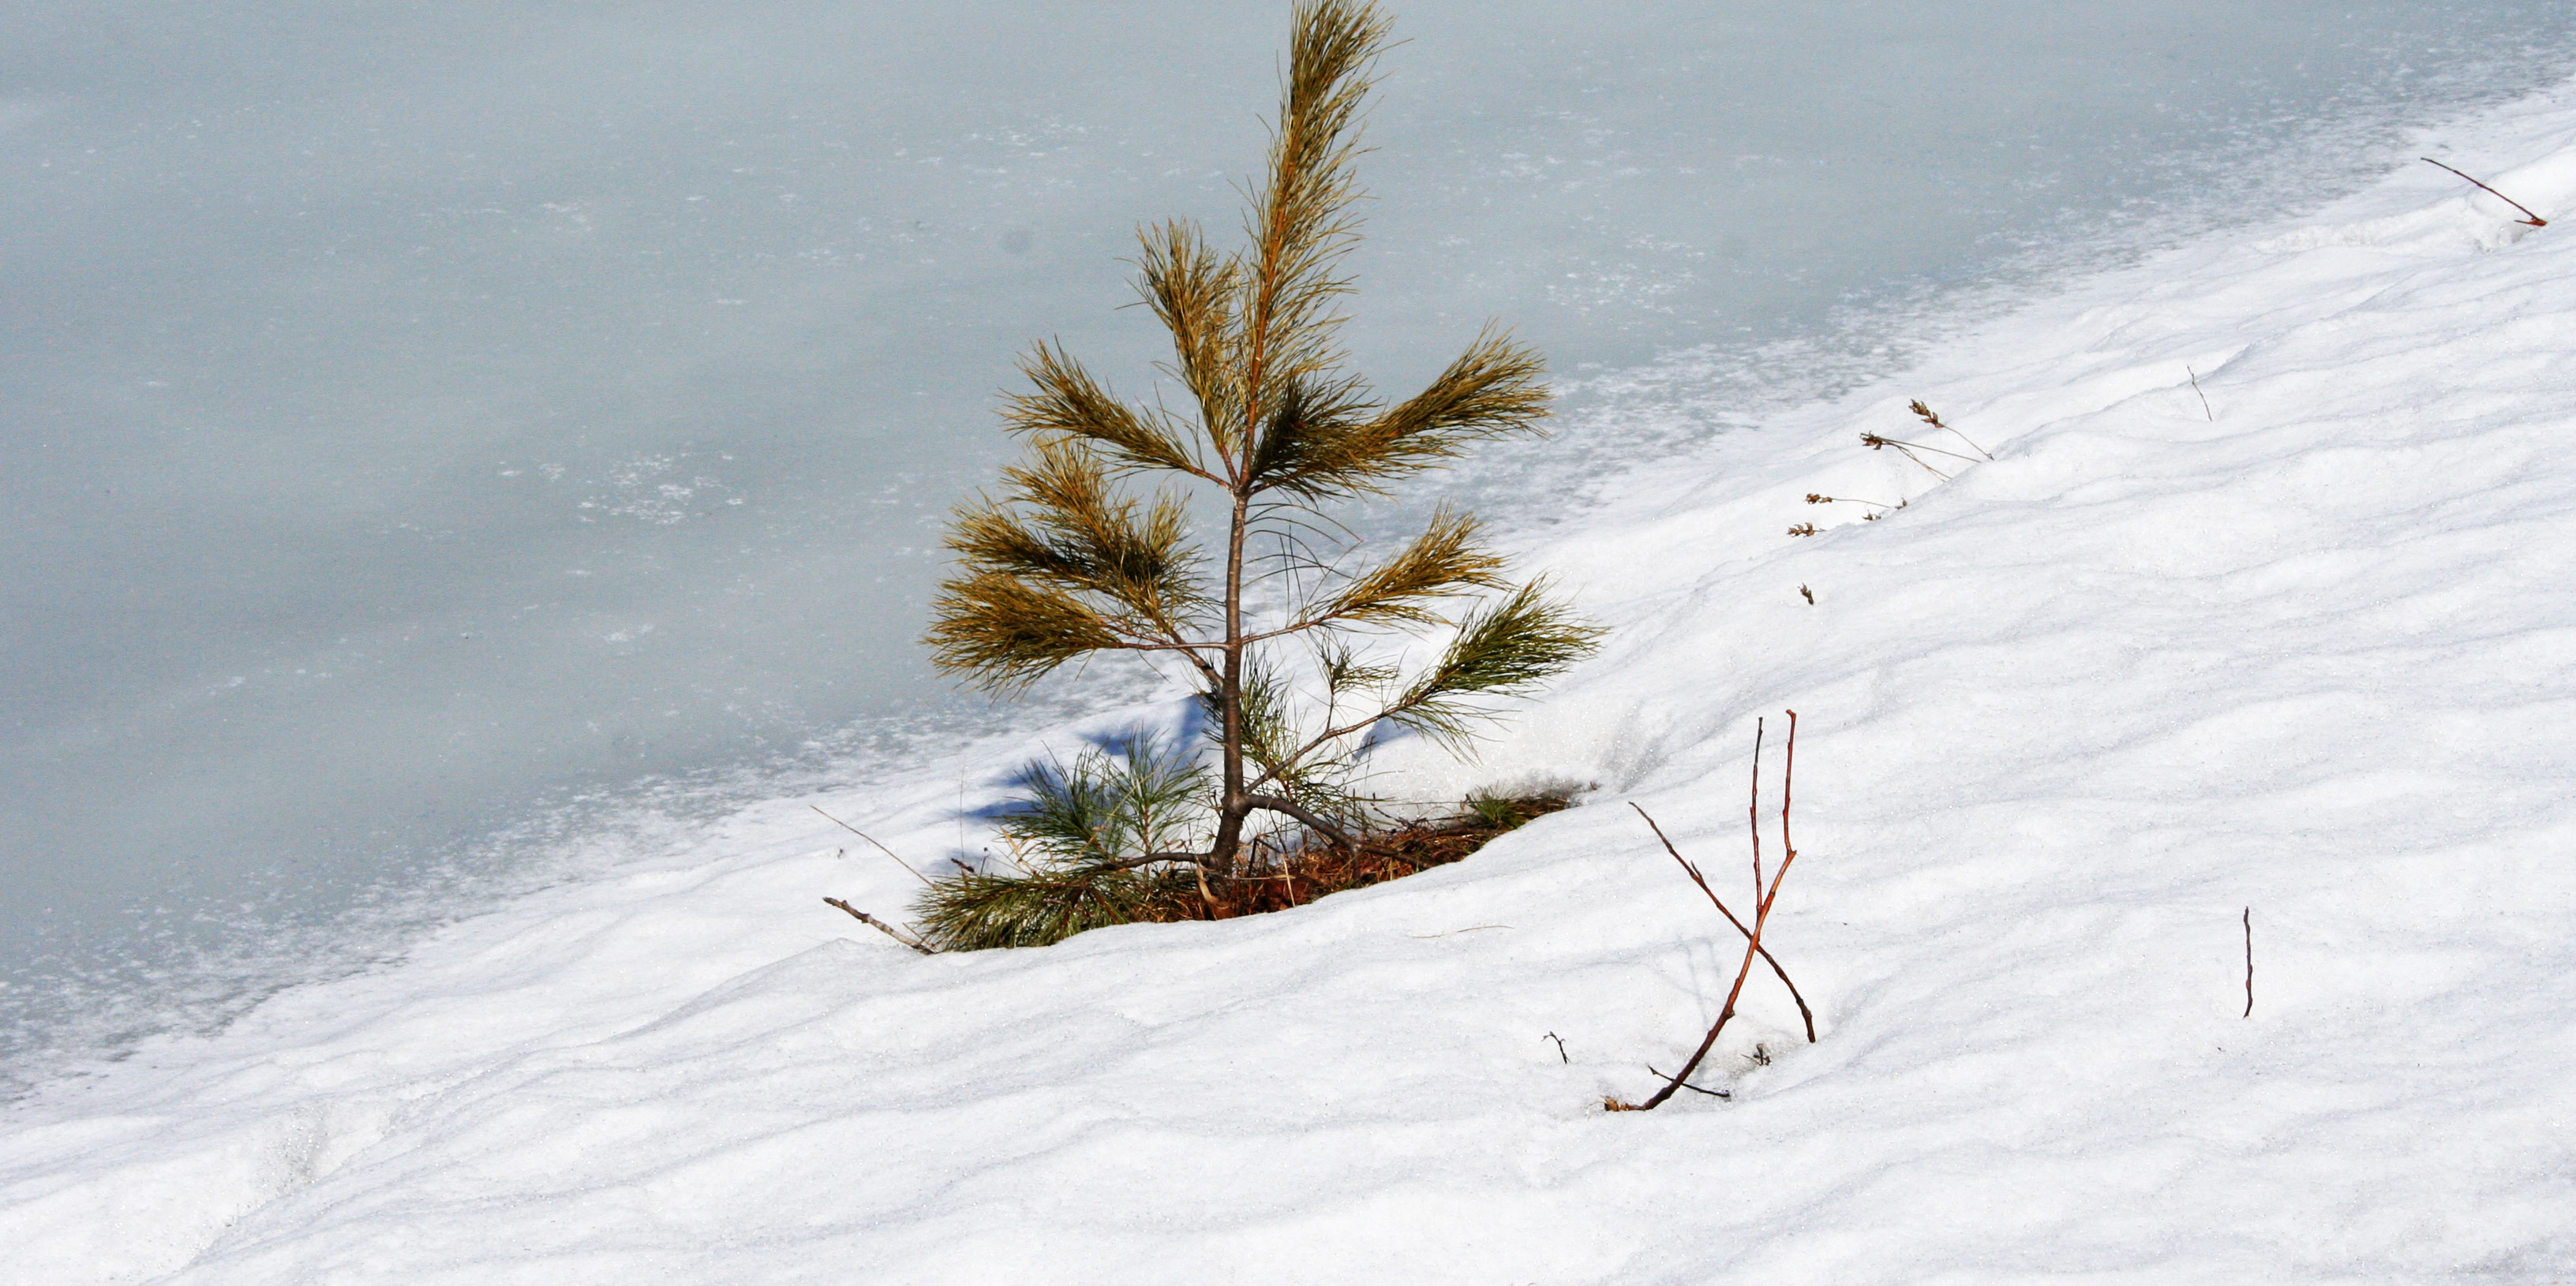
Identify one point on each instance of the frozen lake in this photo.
(420, 417)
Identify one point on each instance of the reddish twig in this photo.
(1752, 941)
(1693, 871)
(1752, 809)
(1650, 1067)
(1788, 771)
(2528, 217)
(2249, 963)
(887, 929)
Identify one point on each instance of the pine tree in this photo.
(1069, 562)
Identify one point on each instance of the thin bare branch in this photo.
(2527, 216)
(1753, 938)
(881, 926)
(1313, 821)
(1650, 1068)
(1804, 1013)
(2249, 963)
(1924, 413)
(890, 853)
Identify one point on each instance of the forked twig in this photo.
(2528, 217)
(889, 930)
(1693, 871)
(1752, 943)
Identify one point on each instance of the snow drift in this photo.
(2306, 649)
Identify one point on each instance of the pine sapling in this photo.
(1232, 566)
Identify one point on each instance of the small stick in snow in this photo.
(1560, 1048)
(1752, 818)
(1752, 945)
(1874, 442)
(885, 928)
(1816, 498)
(1693, 1088)
(2204, 397)
(1809, 594)
(907, 866)
(1924, 413)
(1778, 972)
(2528, 217)
(2249, 963)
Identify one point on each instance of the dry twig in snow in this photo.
(1770, 895)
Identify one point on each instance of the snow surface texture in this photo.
(2064, 718)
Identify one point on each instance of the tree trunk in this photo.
(1236, 801)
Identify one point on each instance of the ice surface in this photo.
(2305, 650)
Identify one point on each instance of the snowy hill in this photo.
(2305, 648)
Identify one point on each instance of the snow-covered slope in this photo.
(2064, 719)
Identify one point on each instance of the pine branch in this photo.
(1068, 403)
(1445, 561)
(1192, 292)
(1004, 634)
(1494, 389)
(1303, 222)
(1504, 650)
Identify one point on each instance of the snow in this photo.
(2064, 719)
